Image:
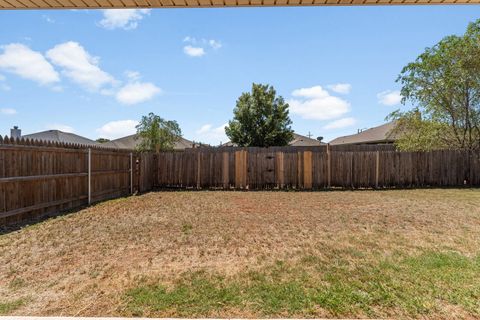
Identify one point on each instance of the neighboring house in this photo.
(298, 141)
(131, 142)
(376, 135)
(59, 136)
(303, 141)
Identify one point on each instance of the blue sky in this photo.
(97, 72)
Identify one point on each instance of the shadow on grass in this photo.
(18, 225)
(31, 221)
(314, 189)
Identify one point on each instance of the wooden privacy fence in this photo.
(297, 168)
(38, 178)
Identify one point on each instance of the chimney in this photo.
(15, 133)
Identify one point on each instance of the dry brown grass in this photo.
(82, 263)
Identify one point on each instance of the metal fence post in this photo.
(89, 176)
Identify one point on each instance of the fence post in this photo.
(198, 169)
(225, 171)
(352, 173)
(300, 182)
(89, 176)
(377, 168)
(329, 167)
(241, 169)
(280, 170)
(307, 170)
(131, 173)
(156, 178)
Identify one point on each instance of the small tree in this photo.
(260, 119)
(157, 134)
(444, 83)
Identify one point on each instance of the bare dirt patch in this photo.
(90, 263)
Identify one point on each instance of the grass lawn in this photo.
(400, 253)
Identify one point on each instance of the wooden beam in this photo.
(107, 4)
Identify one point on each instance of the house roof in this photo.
(303, 141)
(131, 142)
(380, 134)
(91, 4)
(59, 136)
(298, 141)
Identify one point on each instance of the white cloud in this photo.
(126, 19)
(312, 92)
(4, 86)
(198, 47)
(389, 97)
(78, 65)
(28, 64)
(317, 103)
(48, 19)
(342, 88)
(117, 129)
(340, 123)
(215, 44)
(137, 92)
(61, 127)
(8, 111)
(214, 136)
(193, 51)
(57, 88)
(132, 75)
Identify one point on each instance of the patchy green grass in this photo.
(407, 286)
(7, 307)
(377, 254)
(17, 283)
(187, 228)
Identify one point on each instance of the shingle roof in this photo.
(131, 142)
(380, 134)
(303, 141)
(298, 141)
(59, 136)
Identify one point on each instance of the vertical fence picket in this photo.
(89, 176)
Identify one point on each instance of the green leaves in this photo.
(444, 84)
(157, 134)
(260, 119)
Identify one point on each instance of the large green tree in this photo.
(443, 84)
(260, 119)
(157, 134)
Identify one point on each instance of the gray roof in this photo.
(303, 141)
(59, 136)
(131, 142)
(298, 141)
(380, 134)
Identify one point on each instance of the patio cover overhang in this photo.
(109, 4)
